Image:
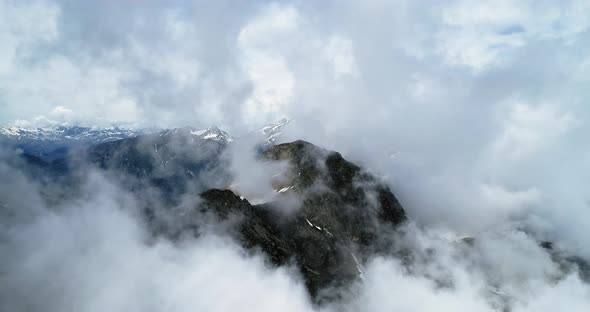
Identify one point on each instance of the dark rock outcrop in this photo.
(340, 210)
(326, 218)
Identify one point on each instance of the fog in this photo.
(93, 254)
(475, 113)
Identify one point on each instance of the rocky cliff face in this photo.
(334, 226)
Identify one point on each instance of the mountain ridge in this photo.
(328, 216)
(325, 217)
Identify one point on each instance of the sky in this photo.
(174, 63)
(476, 112)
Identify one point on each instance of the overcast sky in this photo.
(237, 64)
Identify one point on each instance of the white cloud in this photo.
(272, 80)
(24, 26)
(507, 201)
(93, 255)
(389, 289)
(63, 113)
(571, 293)
(527, 129)
(482, 35)
(339, 52)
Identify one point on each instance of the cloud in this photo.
(339, 52)
(24, 28)
(570, 293)
(528, 128)
(271, 78)
(413, 293)
(93, 253)
(483, 35)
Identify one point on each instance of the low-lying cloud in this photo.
(94, 251)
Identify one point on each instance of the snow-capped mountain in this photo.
(42, 142)
(75, 135)
(211, 133)
(274, 130)
(67, 134)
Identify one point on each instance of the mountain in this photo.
(274, 130)
(173, 151)
(169, 160)
(66, 134)
(53, 143)
(328, 216)
(325, 219)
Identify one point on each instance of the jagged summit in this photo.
(339, 213)
(211, 133)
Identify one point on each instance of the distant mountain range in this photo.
(67, 134)
(52, 143)
(41, 142)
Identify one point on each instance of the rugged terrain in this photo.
(339, 210)
(327, 216)
(324, 219)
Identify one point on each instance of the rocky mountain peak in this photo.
(340, 210)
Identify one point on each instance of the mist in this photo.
(94, 251)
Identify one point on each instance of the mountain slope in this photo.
(339, 211)
(172, 160)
